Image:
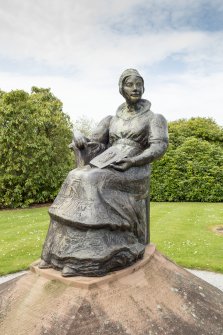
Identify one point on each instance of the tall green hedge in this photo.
(192, 168)
(34, 138)
(34, 160)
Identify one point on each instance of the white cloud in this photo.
(79, 34)
(82, 36)
(189, 96)
(175, 97)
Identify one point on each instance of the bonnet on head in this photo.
(125, 74)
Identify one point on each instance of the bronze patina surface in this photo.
(99, 218)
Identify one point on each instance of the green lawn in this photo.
(22, 233)
(182, 231)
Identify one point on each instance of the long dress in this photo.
(98, 219)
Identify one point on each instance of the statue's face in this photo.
(133, 89)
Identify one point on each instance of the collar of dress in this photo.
(144, 107)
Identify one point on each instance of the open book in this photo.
(112, 155)
(109, 156)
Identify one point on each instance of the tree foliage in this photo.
(34, 138)
(192, 168)
(85, 125)
(35, 158)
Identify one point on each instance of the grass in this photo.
(22, 233)
(182, 231)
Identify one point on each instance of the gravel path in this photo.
(215, 279)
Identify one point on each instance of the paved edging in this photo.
(11, 276)
(213, 278)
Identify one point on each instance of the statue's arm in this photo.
(86, 149)
(157, 141)
(101, 133)
(157, 145)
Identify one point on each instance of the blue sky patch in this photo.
(157, 17)
(172, 64)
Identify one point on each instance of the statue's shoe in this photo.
(44, 265)
(68, 272)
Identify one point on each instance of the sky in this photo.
(80, 48)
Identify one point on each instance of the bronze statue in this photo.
(98, 220)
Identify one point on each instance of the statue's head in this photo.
(131, 86)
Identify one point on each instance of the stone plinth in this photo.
(154, 296)
(89, 282)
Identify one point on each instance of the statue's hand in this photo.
(79, 140)
(123, 164)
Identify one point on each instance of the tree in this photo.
(34, 138)
(202, 128)
(85, 125)
(192, 168)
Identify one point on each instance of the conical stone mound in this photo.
(156, 297)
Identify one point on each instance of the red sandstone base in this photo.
(153, 297)
(88, 282)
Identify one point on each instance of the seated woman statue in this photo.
(98, 219)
